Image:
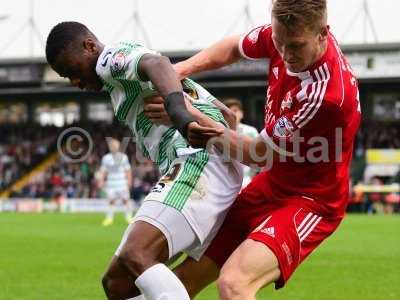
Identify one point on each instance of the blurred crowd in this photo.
(22, 147)
(65, 178)
(378, 135)
(375, 202)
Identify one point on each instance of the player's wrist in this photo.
(177, 111)
(182, 69)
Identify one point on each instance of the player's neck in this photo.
(321, 51)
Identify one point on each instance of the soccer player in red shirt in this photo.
(312, 113)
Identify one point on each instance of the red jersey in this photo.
(314, 116)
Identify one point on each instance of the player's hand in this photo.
(198, 135)
(155, 111)
(100, 184)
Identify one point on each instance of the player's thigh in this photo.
(144, 241)
(111, 194)
(123, 194)
(160, 229)
(251, 265)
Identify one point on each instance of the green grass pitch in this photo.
(62, 256)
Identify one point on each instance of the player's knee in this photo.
(136, 259)
(108, 285)
(114, 288)
(231, 286)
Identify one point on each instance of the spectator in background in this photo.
(375, 199)
(236, 106)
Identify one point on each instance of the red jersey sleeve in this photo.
(257, 43)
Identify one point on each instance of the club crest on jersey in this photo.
(287, 102)
(118, 61)
(283, 128)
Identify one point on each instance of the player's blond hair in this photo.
(311, 14)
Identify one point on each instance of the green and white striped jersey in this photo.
(118, 69)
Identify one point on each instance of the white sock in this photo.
(160, 283)
(141, 297)
(110, 212)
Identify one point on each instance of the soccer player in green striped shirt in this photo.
(186, 207)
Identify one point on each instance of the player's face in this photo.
(79, 66)
(113, 146)
(238, 112)
(299, 49)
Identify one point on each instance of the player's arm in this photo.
(256, 44)
(128, 172)
(222, 53)
(155, 111)
(248, 150)
(101, 176)
(160, 72)
(128, 175)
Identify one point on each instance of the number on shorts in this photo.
(172, 173)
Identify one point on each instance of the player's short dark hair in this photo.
(233, 102)
(61, 36)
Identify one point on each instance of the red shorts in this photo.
(291, 228)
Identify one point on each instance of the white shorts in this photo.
(117, 194)
(189, 203)
(170, 222)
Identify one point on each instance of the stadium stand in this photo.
(64, 178)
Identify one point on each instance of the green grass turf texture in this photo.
(63, 256)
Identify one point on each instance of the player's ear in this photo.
(323, 35)
(90, 45)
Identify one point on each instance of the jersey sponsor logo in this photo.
(118, 61)
(253, 36)
(283, 128)
(287, 102)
